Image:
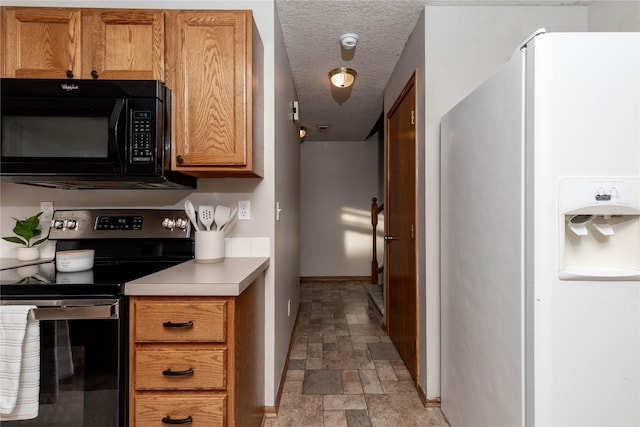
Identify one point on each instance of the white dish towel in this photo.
(19, 363)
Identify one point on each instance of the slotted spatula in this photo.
(206, 214)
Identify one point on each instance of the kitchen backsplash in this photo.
(247, 247)
(235, 247)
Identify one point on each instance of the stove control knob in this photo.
(181, 223)
(168, 223)
(58, 224)
(71, 224)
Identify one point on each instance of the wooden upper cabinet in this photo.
(83, 43)
(210, 72)
(43, 43)
(212, 60)
(126, 45)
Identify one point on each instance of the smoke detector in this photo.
(349, 40)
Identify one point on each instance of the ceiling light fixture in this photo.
(342, 77)
(303, 132)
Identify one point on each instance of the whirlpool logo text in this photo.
(69, 87)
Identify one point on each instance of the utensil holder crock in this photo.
(209, 247)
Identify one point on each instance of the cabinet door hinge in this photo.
(413, 117)
(413, 234)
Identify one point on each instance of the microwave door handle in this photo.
(69, 312)
(114, 123)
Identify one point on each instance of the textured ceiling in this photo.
(312, 30)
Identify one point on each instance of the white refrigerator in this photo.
(540, 238)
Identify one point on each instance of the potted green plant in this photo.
(25, 231)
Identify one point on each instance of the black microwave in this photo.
(87, 134)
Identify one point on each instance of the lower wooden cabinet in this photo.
(197, 360)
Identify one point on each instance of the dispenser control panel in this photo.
(602, 194)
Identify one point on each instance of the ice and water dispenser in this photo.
(601, 229)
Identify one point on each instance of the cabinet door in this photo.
(42, 43)
(126, 44)
(210, 62)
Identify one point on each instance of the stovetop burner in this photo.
(128, 244)
(102, 280)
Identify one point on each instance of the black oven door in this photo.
(83, 354)
(63, 135)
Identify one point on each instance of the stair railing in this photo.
(375, 268)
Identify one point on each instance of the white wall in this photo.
(287, 226)
(453, 49)
(19, 200)
(612, 15)
(337, 181)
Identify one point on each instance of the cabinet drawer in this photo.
(180, 321)
(205, 411)
(180, 369)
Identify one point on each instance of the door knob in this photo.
(389, 238)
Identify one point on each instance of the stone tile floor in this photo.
(343, 370)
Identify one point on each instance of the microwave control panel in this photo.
(141, 137)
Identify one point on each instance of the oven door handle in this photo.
(71, 312)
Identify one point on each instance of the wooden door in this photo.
(126, 44)
(211, 85)
(400, 228)
(42, 43)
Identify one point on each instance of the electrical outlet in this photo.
(47, 211)
(244, 210)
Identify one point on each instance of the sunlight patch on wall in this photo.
(357, 245)
(358, 218)
(357, 233)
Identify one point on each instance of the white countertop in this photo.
(227, 278)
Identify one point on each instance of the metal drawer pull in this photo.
(70, 312)
(168, 420)
(170, 324)
(170, 373)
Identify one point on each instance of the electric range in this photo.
(83, 316)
